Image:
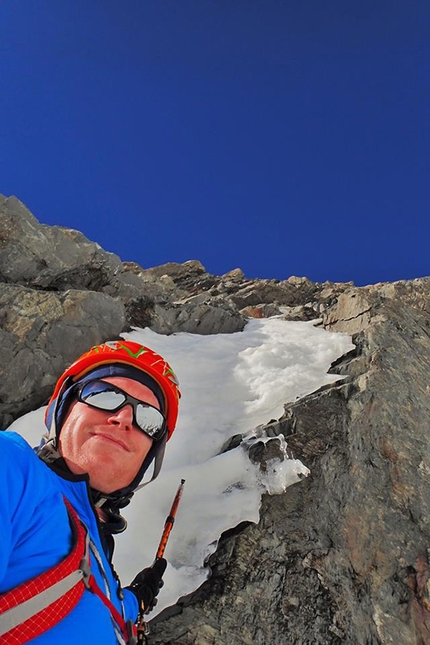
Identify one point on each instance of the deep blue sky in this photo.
(284, 137)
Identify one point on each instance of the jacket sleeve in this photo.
(12, 487)
(31, 514)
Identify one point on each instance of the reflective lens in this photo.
(105, 396)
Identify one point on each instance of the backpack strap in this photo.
(29, 610)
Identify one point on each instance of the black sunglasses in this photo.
(105, 396)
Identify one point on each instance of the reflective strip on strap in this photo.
(17, 615)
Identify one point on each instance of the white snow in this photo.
(231, 383)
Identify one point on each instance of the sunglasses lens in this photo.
(99, 395)
(150, 420)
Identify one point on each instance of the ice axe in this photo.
(142, 627)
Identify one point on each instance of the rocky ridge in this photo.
(341, 557)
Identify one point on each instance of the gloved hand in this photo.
(148, 583)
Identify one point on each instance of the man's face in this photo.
(104, 444)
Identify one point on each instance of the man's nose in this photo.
(122, 417)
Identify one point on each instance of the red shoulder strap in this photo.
(30, 609)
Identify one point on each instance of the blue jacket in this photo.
(35, 535)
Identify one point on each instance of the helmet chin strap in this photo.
(53, 430)
(48, 448)
(48, 452)
(158, 461)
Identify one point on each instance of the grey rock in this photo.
(341, 557)
(198, 315)
(264, 292)
(190, 276)
(174, 297)
(41, 333)
(131, 282)
(48, 257)
(263, 452)
(235, 275)
(296, 298)
(261, 311)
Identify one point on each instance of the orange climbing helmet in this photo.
(127, 353)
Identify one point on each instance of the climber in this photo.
(108, 421)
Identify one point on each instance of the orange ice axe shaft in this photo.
(170, 521)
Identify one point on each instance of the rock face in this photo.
(41, 332)
(48, 257)
(341, 557)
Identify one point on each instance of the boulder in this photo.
(48, 257)
(198, 315)
(41, 333)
